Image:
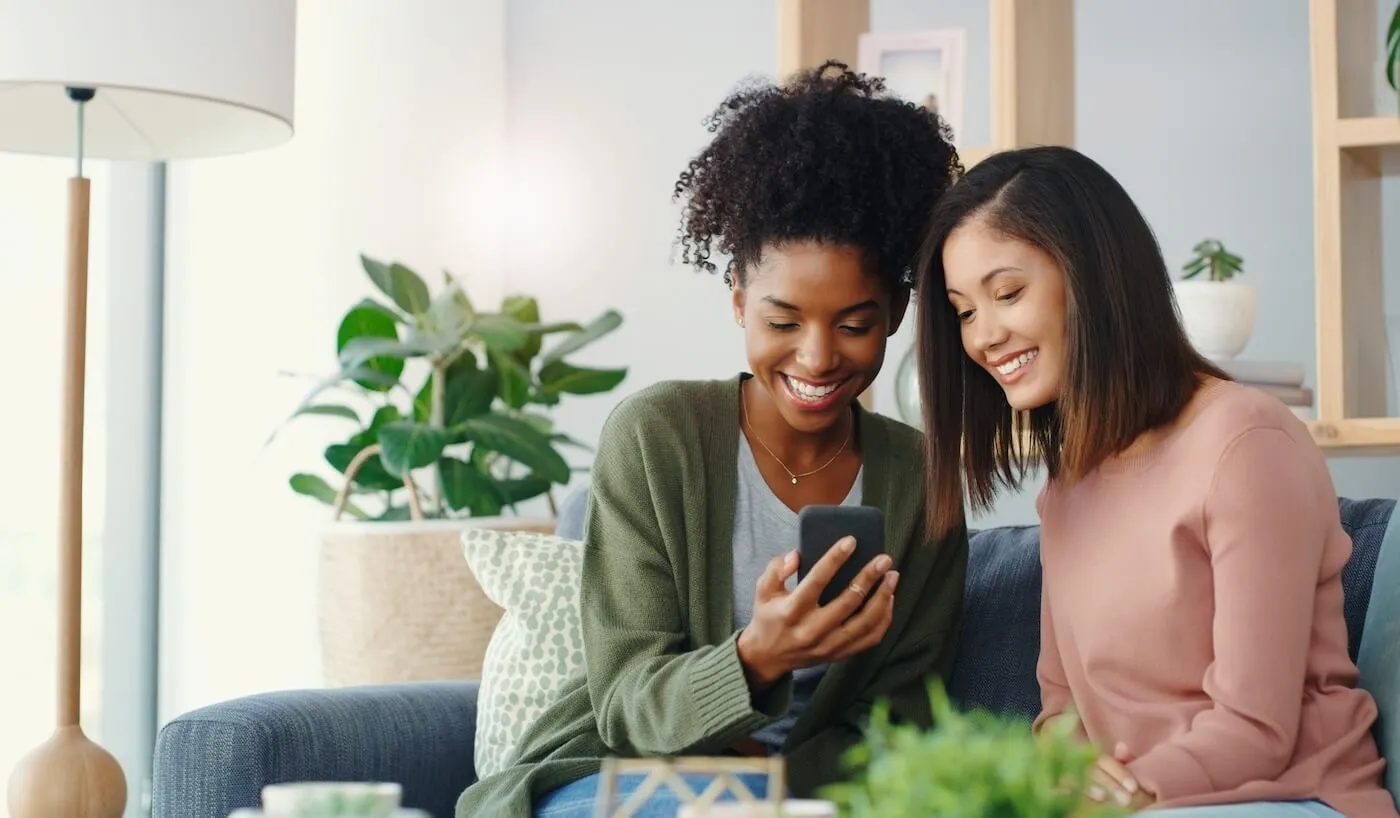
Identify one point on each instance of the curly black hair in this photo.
(828, 156)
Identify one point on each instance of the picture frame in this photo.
(926, 67)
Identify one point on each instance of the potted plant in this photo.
(1216, 311)
(1392, 56)
(969, 765)
(447, 408)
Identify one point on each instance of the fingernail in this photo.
(1095, 792)
(848, 544)
(1130, 785)
(882, 563)
(892, 579)
(791, 557)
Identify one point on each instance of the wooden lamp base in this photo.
(70, 776)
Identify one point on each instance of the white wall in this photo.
(605, 106)
(400, 111)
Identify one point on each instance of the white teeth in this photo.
(1017, 362)
(809, 391)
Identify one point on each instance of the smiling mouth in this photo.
(812, 393)
(1011, 367)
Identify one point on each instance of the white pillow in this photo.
(538, 646)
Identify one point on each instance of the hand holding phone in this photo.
(792, 630)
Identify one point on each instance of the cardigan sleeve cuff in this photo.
(1169, 771)
(722, 697)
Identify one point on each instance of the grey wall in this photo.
(1206, 122)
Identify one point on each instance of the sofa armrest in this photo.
(421, 735)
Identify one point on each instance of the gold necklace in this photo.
(744, 410)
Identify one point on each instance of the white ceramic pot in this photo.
(1218, 316)
(791, 808)
(331, 799)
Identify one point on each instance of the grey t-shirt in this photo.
(765, 528)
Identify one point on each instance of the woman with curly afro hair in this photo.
(701, 634)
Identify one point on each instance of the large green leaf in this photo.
(514, 381)
(313, 486)
(557, 327)
(544, 424)
(371, 475)
(470, 390)
(1392, 41)
(600, 326)
(500, 333)
(526, 310)
(366, 351)
(367, 324)
(577, 380)
(445, 325)
(465, 486)
(371, 304)
(518, 441)
(407, 446)
(329, 410)
(520, 489)
(402, 285)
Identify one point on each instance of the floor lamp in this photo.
(145, 80)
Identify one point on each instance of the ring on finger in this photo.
(858, 590)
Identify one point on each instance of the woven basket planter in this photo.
(397, 602)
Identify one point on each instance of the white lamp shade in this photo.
(174, 79)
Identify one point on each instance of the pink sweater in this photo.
(1192, 610)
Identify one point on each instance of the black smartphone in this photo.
(819, 527)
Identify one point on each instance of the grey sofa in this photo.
(215, 759)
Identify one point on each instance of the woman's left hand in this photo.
(1110, 780)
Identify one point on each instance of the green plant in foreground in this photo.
(437, 383)
(1211, 255)
(969, 765)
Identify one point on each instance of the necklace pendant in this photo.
(794, 481)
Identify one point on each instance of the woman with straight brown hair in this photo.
(1191, 612)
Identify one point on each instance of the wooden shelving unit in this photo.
(1354, 146)
(1032, 62)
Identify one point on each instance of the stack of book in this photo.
(1282, 379)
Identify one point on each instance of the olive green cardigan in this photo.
(663, 674)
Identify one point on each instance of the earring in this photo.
(740, 321)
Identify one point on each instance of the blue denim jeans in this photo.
(578, 800)
(1251, 809)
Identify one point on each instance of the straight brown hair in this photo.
(1130, 366)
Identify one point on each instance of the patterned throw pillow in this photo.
(538, 645)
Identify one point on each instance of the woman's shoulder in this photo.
(1231, 410)
(669, 407)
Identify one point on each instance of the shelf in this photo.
(1357, 436)
(1368, 132)
(1352, 150)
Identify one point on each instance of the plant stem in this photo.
(436, 417)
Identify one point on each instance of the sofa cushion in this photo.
(999, 635)
(1365, 522)
(1379, 658)
(538, 646)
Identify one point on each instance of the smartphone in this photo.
(819, 527)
